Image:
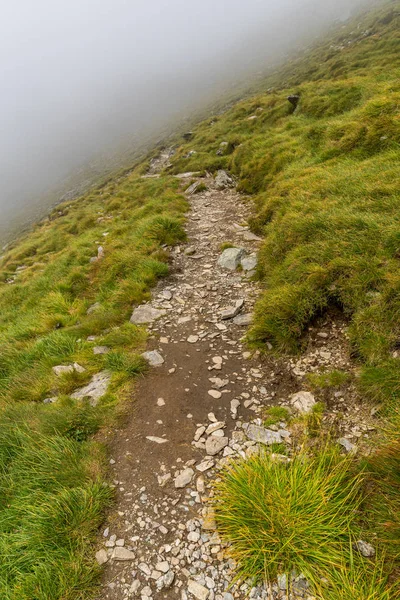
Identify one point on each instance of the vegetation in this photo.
(52, 298)
(323, 181)
(323, 178)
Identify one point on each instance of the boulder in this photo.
(223, 180)
(230, 258)
(249, 262)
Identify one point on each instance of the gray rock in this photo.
(154, 358)
(347, 445)
(303, 402)
(215, 444)
(249, 262)
(146, 314)
(63, 370)
(165, 581)
(243, 320)
(101, 350)
(230, 258)
(251, 237)
(231, 311)
(282, 582)
(95, 307)
(365, 549)
(199, 591)
(184, 478)
(102, 557)
(50, 400)
(123, 554)
(223, 180)
(262, 435)
(95, 389)
(78, 368)
(192, 188)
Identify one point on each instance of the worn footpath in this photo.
(201, 404)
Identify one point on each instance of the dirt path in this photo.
(160, 541)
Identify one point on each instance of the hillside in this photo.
(316, 180)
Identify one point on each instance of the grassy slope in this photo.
(324, 180)
(51, 492)
(324, 184)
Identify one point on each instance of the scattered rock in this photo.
(155, 439)
(199, 591)
(214, 394)
(146, 314)
(63, 370)
(243, 320)
(230, 258)
(94, 308)
(262, 435)
(184, 478)
(95, 389)
(102, 557)
(347, 445)
(192, 339)
(231, 311)
(223, 180)
(249, 262)
(215, 444)
(101, 350)
(154, 358)
(303, 402)
(365, 549)
(121, 553)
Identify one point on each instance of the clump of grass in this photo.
(275, 414)
(279, 517)
(226, 245)
(328, 379)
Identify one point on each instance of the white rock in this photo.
(262, 435)
(102, 557)
(214, 427)
(214, 394)
(154, 358)
(63, 370)
(161, 402)
(192, 339)
(184, 478)
(122, 554)
(249, 262)
(157, 440)
(365, 549)
(95, 389)
(146, 314)
(199, 591)
(215, 444)
(303, 402)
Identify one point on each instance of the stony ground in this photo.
(201, 404)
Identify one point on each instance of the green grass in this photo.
(279, 517)
(328, 379)
(52, 475)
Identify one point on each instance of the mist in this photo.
(84, 79)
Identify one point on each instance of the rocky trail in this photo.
(201, 403)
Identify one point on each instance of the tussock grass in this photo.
(279, 517)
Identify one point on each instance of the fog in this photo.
(84, 79)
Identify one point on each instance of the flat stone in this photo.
(231, 311)
(78, 368)
(102, 557)
(230, 258)
(303, 402)
(251, 237)
(205, 465)
(95, 389)
(192, 339)
(214, 394)
(161, 402)
(184, 478)
(163, 566)
(214, 427)
(199, 591)
(146, 314)
(123, 554)
(262, 435)
(154, 358)
(155, 439)
(101, 350)
(243, 320)
(215, 444)
(249, 262)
